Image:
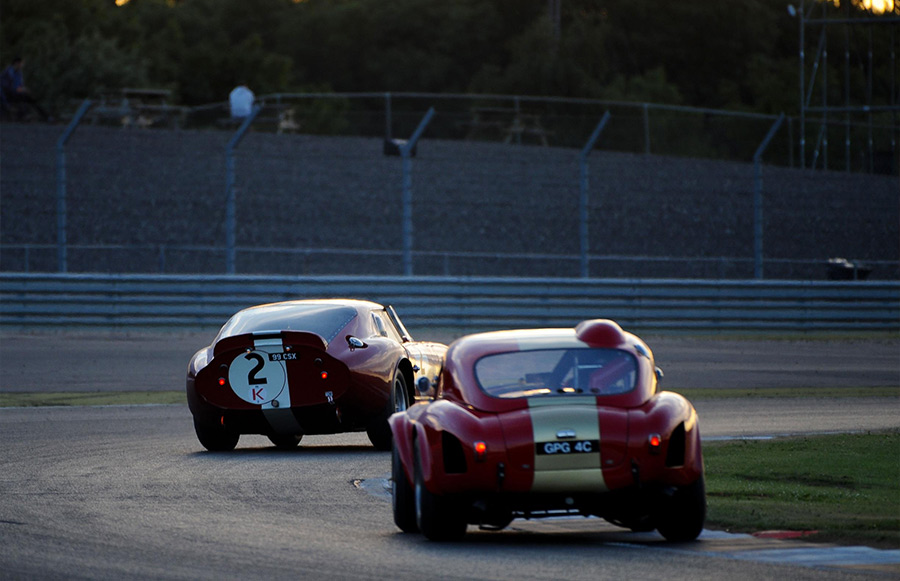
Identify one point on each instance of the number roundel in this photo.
(255, 378)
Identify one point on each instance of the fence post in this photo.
(646, 128)
(230, 200)
(583, 199)
(757, 199)
(61, 210)
(388, 118)
(405, 152)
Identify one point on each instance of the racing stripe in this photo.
(280, 418)
(566, 463)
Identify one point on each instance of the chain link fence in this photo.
(495, 191)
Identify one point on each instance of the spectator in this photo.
(13, 89)
(241, 100)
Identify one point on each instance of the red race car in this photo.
(549, 422)
(308, 367)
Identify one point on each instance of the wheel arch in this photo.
(405, 367)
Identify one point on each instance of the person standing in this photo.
(14, 91)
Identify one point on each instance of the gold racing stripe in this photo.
(568, 464)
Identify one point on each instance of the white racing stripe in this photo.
(572, 462)
(278, 411)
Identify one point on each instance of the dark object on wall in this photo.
(843, 269)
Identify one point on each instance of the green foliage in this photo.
(736, 54)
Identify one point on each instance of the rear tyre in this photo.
(283, 442)
(216, 438)
(440, 517)
(379, 430)
(402, 496)
(682, 515)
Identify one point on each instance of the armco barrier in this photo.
(148, 301)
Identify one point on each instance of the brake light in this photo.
(221, 381)
(324, 375)
(655, 443)
(480, 451)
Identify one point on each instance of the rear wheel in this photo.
(283, 442)
(682, 515)
(402, 496)
(379, 430)
(216, 438)
(440, 517)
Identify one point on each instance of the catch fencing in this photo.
(496, 186)
(461, 303)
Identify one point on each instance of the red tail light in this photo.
(655, 443)
(480, 451)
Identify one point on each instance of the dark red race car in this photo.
(308, 367)
(549, 422)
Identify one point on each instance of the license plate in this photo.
(282, 356)
(562, 448)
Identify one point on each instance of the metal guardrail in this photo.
(160, 301)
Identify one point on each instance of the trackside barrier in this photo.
(467, 304)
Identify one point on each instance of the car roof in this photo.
(325, 317)
(597, 333)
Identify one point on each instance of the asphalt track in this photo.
(127, 492)
(135, 361)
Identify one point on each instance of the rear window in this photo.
(557, 372)
(324, 320)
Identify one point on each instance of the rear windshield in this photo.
(324, 320)
(555, 372)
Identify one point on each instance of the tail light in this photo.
(654, 442)
(480, 451)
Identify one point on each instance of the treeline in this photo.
(737, 54)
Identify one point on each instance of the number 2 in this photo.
(260, 363)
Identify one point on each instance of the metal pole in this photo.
(847, 91)
(230, 194)
(405, 153)
(61, 209)
(388, 119)
(802, 16)
(758, 201)
(869, 92)
(583, 198)
(646, 128)
(825, 87)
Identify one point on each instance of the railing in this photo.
(142, 301)
(168, 259)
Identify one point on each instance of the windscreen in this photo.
(557, 372)
(322, 319)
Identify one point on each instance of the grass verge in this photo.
(845, 487)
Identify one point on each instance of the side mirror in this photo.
(355, 343)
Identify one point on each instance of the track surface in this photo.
(106, 361)
(127, 492)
